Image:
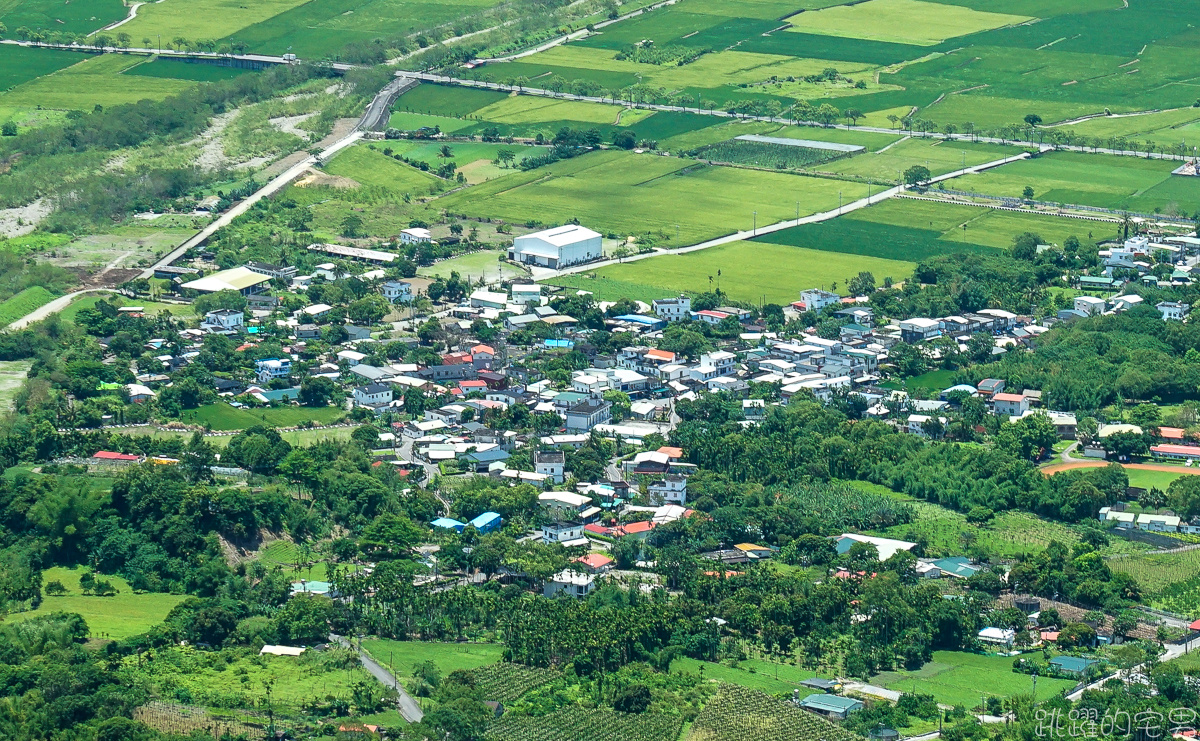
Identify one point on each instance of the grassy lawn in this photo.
(750, 271)
(120, 616)
(901, 21)
(935, 381)
(626, 193)
(12, 375)
(483, 264)
(221, 416)
(1160, 479)
(757, 674)
(93, 81)
(958, 678)
(403, 656)
(474, 160)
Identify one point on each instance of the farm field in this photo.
(319, 29)
(24, 302)
(119, 616)
(939, 156)
(12, 376)
(130, 245)
(750, 271)
(578, 723)
(21, 64)
(403, 656)
(901, 21)
(96, 80)
(625, 193)
(958, 678)
(179, 69)
(57, 15)
(476, 160)
(1165, 128)
(532, 109)
(1090, 180)
(738, 714)
(221, 416)
(474, 265)
(406, 121)
(1157, 572)
(201, 19)
(766, 675)
(366, 166)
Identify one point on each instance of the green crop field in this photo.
(765, 154)
(446, 100)
(368, 167)
(20, 64)
(24, 302)
(939, 156)
(957, 678)
(1165, 128)
(626, 193)
(526, 109)
(221, 416)
(475, 159)
(756, 674)
(1156, 573)
(901, 21)
(60, 15)
(402, 656)
(179, 69)
(319, 29)
(119, 616)
(93, 81)
(750, 271)
(201, 19)
(406, 121)
(1091, 180)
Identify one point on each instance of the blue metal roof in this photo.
(448, 523)
(485, 519)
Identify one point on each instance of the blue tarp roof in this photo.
(640, 319)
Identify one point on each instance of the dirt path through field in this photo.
(1056, 467)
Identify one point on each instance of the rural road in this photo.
(1174, 651)
(56, 305)
(407, 706)
(443, 79)
(581, 33)
(545, 274)
(1073, 463)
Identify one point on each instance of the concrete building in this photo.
(587, 414)
(223, 319)
(670, 490)
(815, 299)
(415, 235)
(372, 395)
(272, 368)
(550, 463)
(397, 291)
(673, 309)
(557, 247)
(1090, 305)
(1172, 311)
(577, 584)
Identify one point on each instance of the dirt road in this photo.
(1056, 467)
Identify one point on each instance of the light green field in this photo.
(750, 271)
(17, 306)
(901, 21)
(1071, 177)
(987, 111)
(939, 156)
(407, 121)
(403, 656)
(1165, 127)
(626, 193)
(1146, 479)
(756, 674)
(484, 264)
(710, 70)
(221, 416)
(474, 160)
(368, 167)
(120, 616)
(526, 109)
(12, 375)
(201, 19)
(95, 81)
(957, 678)
(984, 226)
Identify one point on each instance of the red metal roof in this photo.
(109, 455)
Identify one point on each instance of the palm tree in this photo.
(445, 151)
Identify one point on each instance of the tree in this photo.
(1027, 193)
(917, 175)
(862, 284)
(352, 226)
(634, 698)
(853, 114)
(198, 458)
(1033, 119)
(8, 129)
(1028, 437)
(390, 536)
(1025, 246)
(258, 449)
(316, 391)
(1183, 496)
(980, 516)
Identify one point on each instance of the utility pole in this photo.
(754, 232)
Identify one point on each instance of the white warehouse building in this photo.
(557, 247)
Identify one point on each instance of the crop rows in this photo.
(765, 154)
(741, 714)
(506, 682)
(586, 725)
(1157, 573)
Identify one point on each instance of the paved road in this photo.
(545, 274)
(260, 58)
(581, 33)
(1174, 651)
(56, 305)
(407, 706)
(428, 77)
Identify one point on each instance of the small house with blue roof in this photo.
(445, 523)
(487, 522)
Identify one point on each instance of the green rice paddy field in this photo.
(221, 416)
(626, 193)
(60, 15)
(92, 81)
(1109, 182)
(750, 271)
(957, 678)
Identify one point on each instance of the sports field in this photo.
(958, 678)
(1110, 182)
(750, 271)
(119, 616)
(626, 193)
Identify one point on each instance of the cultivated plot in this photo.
(901, 21)
(91, 82)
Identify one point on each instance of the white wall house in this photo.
(373, 394)
(670, 490)
(557, 247)
(1172, 311)
(415, 235)
(550, 463)
(673, 309)
(1090, 305)
(396, 290)
(815, 299)
(273, 368)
